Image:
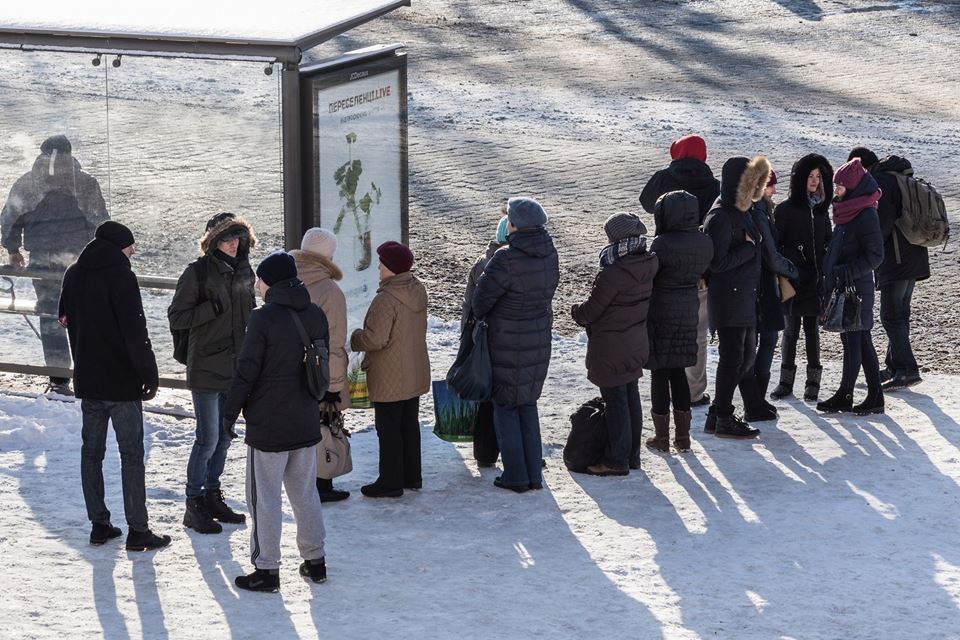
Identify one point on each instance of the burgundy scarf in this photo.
(846, 210)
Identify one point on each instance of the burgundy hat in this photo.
(850, 174)
(395, 256)
(773, 178)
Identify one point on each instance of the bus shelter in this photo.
(164, 114)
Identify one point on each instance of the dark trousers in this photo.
(791, 334)
(127, 419)
(667, 382)
(766, 345)
(858, 351)
(485, 447)
(398, 429)
(53, 337)
(738, 350)
(518, 432)
(624, 418)
(895, 299)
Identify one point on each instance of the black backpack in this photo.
(181, 337)
(316, 360)
(588, 436)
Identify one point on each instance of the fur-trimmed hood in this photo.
(208, 241)
(743, 182)
(798, 181)
(312, 267)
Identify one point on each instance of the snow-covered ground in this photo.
(825, 527)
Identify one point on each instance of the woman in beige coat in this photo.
(394, 342)
(319, 274)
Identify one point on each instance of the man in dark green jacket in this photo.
(213, 300)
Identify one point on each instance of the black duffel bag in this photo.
(588, 436)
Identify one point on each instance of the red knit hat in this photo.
(689, 147)
(850, 174)
(773, 178)
(395, 256)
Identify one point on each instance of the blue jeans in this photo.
(766, 345)
(518, 432)
(895, 298)
(624, 418)
(127, 418)
(209, 454)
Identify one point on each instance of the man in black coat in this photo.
(115, 370)
(734, 279)
(283, 423)
(688, 171)
(515, 295)
(903, 265)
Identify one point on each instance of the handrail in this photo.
(147, 282)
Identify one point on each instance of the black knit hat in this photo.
(58, 142)
(115, 233)
(276, 267)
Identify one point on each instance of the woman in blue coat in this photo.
(855, 250)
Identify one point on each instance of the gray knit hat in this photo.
(525, 213)
(623, 225)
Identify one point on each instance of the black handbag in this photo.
(471, 376)
(316, 360)
(843, 311)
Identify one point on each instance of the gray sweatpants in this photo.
(697, 374)
(296, 471)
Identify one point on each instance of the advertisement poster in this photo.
(360, 175)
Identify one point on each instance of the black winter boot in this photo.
(328, 493)
(873, 403)
(145, 541)
(219, 510)
(681, 425)
(812, 388)
(661, 439)
(267, 581)
(785, 387)
(842, 400)
(733, 427)
(763, 382)
(757, 409)
(198, 518)
(710, 425)
(316, 570)
(378, 490)
(100, 533)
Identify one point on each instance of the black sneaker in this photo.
(886, 374)
(145, 541)
(219, 510)
(377, 490)
(902, 381)
(100, 533)
(197, 517)
(316, 570)
(760, 414)
(734, 427)
(702, 402)
(518, 488)
(261, 580)
(60, 388)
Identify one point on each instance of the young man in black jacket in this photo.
(115, 370)
(283, 423)
(903, 265)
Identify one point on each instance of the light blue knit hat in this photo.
(502, 230)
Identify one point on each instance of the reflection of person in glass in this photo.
(52, 212)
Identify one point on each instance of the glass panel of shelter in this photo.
(158, 144)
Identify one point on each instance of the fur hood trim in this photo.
(307, 261)
(752, 182)
(207, 239)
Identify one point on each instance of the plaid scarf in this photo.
(613, 252)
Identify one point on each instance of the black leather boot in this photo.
(734, 427)
(219, 510)
(873, 403)
(710, 426)
(842, 400)
(197, 517)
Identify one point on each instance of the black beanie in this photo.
(59, 142)
(867, 158)
(115, 233)
(277, 266)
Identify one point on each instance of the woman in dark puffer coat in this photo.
(684, 254)
(803, 227)
(615, 317)
(854, 252)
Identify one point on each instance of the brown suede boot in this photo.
(681, 422)
(661, 440)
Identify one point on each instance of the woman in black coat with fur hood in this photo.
(734, 280)
(803, 227)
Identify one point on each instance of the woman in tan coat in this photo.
(394, 342)
(317, 271)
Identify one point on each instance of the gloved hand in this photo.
(331, 397)
(227, 428)
(149, 392)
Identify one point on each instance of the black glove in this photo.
(331, 397)
(227, 428)
(149, 392)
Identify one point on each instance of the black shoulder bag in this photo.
(316, 360)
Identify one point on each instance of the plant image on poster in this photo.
(359, 138)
